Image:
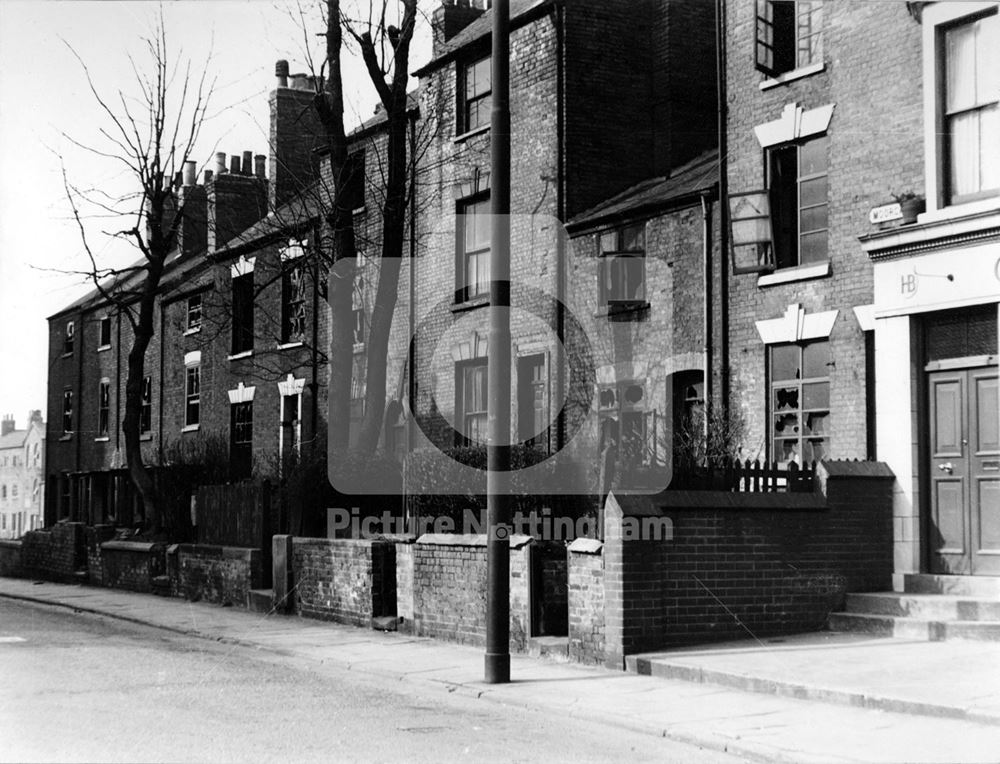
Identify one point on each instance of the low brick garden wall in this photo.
(345, 580)
(55, 554)
(95, 536)
(10, 558)
(741, 564)
(132, 565)
(219, 574)
(449, 588)
(585, 577)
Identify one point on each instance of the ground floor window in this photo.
(799, 426)
(241, 440)
(471, 395)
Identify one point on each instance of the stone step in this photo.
(555, 648)
(914, 628)
(960, 586)
(930, 607)
(261, 600)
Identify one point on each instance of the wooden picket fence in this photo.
(759, 477)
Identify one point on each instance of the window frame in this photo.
(104, 342)
(192, 399)
(69, 338)
(946, 141)
(67, 413)
(465, 100)
(618, 410)
(800, 411)
(463, 290)
(768, 49)
(612, 254)
(104, 408)
(530, 385)
(193, 314)
(242, 313)
(293, 303)
(146, 406)
(772, 154)
(463, 369)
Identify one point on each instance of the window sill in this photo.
(238, 356)
(471, 134)
(65, 437)
(289, 345)
(961, 210)
(102, 439)
(624, 310)
(146, 436)
(102, 348)
(357, 211)
(190, 428)
(193, 330)
(471, 304)
(794, 74)
(67, 355)
(359, 347)
(798, 273)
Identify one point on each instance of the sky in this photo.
(46, 105)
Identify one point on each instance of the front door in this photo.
(964, 471)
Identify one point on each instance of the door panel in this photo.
(949, 490)
(984, 471)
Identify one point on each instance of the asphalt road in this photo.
(79, 687)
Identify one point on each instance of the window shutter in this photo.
(765, 37)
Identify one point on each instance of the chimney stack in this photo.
(296, 133)
(190, 172)
(451, 17)
(7, 426)
(281, 73)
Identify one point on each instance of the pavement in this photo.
(770, 724)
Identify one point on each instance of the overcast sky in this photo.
(44, 94)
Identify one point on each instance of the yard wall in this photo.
(585, 578)
(220, 574)
(10, 558)
(55, 554)
(131, 565)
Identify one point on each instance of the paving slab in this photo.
(755, 726)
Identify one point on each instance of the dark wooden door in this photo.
(964, 472)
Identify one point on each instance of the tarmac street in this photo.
(208, 682)
(81, 687)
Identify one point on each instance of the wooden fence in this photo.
(759, 477)
(236, 514)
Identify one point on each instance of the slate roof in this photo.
(691, 179)
(13, 439)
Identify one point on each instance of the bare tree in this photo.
(385, 50)
(152, 133)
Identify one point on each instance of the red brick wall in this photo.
(872, 75)
(219, 574)
(586, 605)
(54, 554)
(775, 566)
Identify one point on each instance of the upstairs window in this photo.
(293, 302)
(68, 337)
(797, 182)
(800, 402)
(354, 182)
(242, 313)
(622, 268)
(194, 313)
(789, 35)
(971, 115)
(474, 249)
(477, 95)
(105, 339)
(67, 414)
(103, 408)
(146, 410)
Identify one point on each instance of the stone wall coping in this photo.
(309, 541)
(468, 539)
(585, 546)
(214, 550)
(10, 543)
(131, 546)
(857, 469)
(680, 500)
(398, 538)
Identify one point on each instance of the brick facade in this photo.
(220, 574)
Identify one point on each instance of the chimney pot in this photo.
(248, 163)
(234, 164)
(208, 177)
(190, 172)
(220, 162)
(260, 166)
(281, 73)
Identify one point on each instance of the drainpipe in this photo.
(560, 12)
(706, 218)
(411, 373)
(720, 80)
(314, 381)
(162, 358)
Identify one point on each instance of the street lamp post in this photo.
(498, 360)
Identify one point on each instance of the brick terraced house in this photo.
(863, 147)
(22, 475)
